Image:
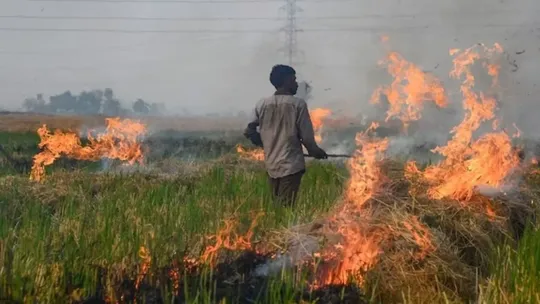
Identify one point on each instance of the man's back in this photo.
(283, 123)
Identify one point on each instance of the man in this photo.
(284, 126)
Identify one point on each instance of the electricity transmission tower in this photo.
(290, 29)
(290, 49)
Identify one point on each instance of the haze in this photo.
(189, 67)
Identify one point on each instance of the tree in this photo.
(89, 102)
(157, 108)
(112, 107)
(37, 104)
(30, 104)
(141, 107)
(109, 94)
(65, 102)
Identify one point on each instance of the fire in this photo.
(409, 90)
(470, 163)
(359, 247)
(356, 237)
(256, 154)
(120, 141)
(366, 176)
(317, 118)
(144, 254)
(227, 239)
(421, 235)
(174, 274)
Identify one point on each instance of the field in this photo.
(95, 232)
(164, 211)
(84, 221)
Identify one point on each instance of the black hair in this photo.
(279, 73)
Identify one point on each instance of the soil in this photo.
(235, 280)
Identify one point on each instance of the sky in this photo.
(187, 66)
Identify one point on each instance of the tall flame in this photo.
(361, 239)
(409, 90)
(359, 247)
(120, 141)
(471, 163)
(366, 176)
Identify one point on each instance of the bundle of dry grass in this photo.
(414, 249)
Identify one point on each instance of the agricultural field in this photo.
(185, 216)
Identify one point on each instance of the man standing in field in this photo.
(284, 126)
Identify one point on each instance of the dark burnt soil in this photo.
(233, 280)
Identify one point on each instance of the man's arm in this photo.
(305, 128)
(251, 132)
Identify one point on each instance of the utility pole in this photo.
(290, 29)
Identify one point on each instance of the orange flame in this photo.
(360, 243)
(317, 117)
(174, 274)
(471, 163)
(409, 90)
(421, 236)
(227, 239)
(144, 254)
(366, 176)
(120, 141)
(256, 154)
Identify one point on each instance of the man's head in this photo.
(283, 78)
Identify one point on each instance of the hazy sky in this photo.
(194, 68)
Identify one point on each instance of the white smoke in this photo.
(302, 248)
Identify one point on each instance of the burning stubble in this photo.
(355, 236)
(470, 163)
(358, 232)
(120, 141)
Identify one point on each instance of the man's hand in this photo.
(320, 154)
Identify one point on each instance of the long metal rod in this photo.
(332, 155)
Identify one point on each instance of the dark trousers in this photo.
(285, 189)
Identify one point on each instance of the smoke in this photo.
(302, 249)
(494, 192)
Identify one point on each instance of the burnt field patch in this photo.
(234, 280)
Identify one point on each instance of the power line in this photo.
(189, 18)
(160, 1)
(199, 31)
(350, 29)
(137, 18)
(127, 31)
(184, 1)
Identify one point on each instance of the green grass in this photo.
(80, 230)
(55, 236)
(516, 272)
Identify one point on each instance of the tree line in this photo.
(92, 102)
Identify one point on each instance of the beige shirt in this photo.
(284, 125)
